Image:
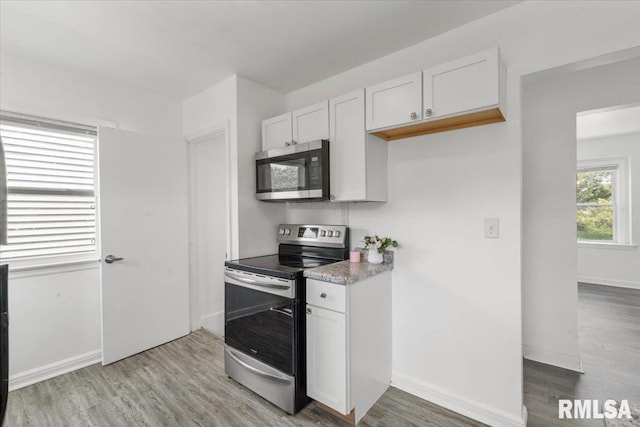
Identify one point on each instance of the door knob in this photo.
(110, 259)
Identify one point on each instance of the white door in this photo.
(143, 217)
(347, 147)
(395, 102)
(311, 123)
(327, 358)
(276, 132)
(208, 216)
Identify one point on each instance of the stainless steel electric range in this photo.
(264, 312)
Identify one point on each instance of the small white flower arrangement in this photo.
(379, 244)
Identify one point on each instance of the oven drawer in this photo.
(327, 295)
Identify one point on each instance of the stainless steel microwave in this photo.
(298, 172)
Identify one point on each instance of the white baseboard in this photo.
(214, 323)
(552, 358)
(477, 411)
(609, 282)
(46, 372)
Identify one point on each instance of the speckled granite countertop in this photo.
(347, 273)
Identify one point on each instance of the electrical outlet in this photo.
(492, 228)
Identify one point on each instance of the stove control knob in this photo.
(336, 233)
(323, 233)
(287, 231)
(329, 233)
(281, 231)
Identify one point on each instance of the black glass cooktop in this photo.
(288, 267)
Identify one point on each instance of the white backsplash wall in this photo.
(318, 213)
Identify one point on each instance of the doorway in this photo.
(565, 323)
(208, 219)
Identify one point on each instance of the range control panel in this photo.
(313, 235)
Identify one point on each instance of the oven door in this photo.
(296, 172)
(260, 318)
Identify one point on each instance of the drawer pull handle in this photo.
(323, 295)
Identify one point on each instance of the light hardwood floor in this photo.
(182, 383)
(609, 339)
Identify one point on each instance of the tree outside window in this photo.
(596, 207)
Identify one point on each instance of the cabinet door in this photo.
(347, 147)
(327, 358)
(395, 102)
(311, 123)
(276, 131)
(467, 84)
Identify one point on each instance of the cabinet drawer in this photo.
(327, 295)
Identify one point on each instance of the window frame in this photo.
(620, 195)
(60, 261)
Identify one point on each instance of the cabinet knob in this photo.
(332, 197)
(287, 143)
(308, 310)
(294, 142)
(414, 116)
(428, 112)
(323, 295)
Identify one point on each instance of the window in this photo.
(602, 198)
(50, 184)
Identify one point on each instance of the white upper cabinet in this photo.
(395, 102)
(358, 160)
(276, 132)
(311, 123)
(303, 125)
(462, 86)
(469, 91)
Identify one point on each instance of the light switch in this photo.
(492, 228)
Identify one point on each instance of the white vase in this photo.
(375, 257)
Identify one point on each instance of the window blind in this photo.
(51, 208)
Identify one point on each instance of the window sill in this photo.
(601, 245)
(45, 267)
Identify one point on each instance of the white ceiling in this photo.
(182, 47)
(615, 121)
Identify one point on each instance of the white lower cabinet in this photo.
(349, 343)
(327, 358)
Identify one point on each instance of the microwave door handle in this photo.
(255, 282)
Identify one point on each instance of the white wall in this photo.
(242, 104)
(550, 256)
(55, 314)
(239, 106)
(602, 265)
(258, 221)
(457, 297)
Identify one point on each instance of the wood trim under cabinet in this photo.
(350, 418)
(478, 118)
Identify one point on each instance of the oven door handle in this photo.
(256, 370)
(255, 282)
